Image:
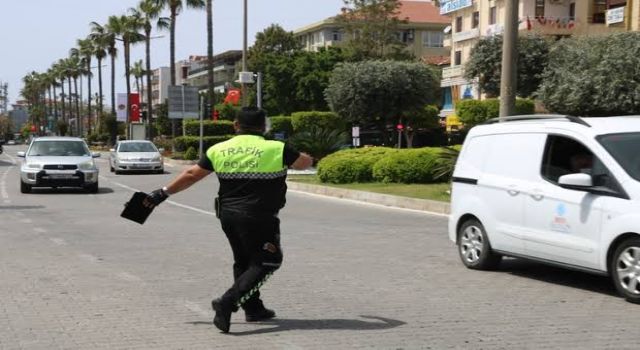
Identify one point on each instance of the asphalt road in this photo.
(74, 275)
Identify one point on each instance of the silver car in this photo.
(136, 155)
(58, 162)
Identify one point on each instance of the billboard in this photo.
(184, 102)
(448, 6)
(121, 107)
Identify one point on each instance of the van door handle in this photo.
(537, 195)
(513, 190)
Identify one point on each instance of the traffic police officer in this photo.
(252, 173)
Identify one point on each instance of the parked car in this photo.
(557, 189)
(58, 162)
(136, 155)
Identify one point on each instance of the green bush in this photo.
(525, 106)
(471, 112)
(190, 154)
(407, 166)
(227, 111)
(319, 142)
(353, 165)
(492, 106)
(210, 127)
(302, 121)
(281, 124)
(183, 143)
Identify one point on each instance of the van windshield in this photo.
(624, 148)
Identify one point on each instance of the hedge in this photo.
(183, 143)
(473, 112)
(355, 165)
(303, 121)
(210, 127)
(281, 124)
(407, 166)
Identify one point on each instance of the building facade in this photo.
(472, 20)
(224, 71)
(422, 33)
(160, 81)
(19, 115)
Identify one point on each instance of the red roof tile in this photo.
(421, 12)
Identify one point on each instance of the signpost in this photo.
(184, 102)
(355, 136)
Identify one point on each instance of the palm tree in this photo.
(85, 52)
(175, 6)
(211, 93)
(150, 10)
(75, 68)
(99, 52)
(138, 72)
(33, 91)
(60, 74)
(106, 39)
(53, 84)
(126, 29)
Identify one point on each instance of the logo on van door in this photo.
(560, 223)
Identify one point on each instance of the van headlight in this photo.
(33, 166)
(156, 159)
(88, 165)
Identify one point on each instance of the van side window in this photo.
(563, 156)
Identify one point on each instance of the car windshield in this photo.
(624, 149)
(137, 147)
(59, 148)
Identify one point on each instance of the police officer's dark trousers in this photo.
(255, 241)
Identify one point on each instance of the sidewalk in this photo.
(430, 206)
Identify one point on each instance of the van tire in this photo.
(627, 283)
(24, 188)
(474, 247)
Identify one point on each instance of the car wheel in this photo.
(111, 168)
(118, 172)
(24, 188)
(625, 269)
(474, 247)
(93, 188)
(161, 171)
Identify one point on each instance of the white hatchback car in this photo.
(136, 155)
(556, 189)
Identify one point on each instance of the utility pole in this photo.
(244, 55)
(509, 77)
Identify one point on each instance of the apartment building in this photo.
(475, 19)
(423, 32)
(160, 81)
(224, 71)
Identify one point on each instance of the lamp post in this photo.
(244, 54)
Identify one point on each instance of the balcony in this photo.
(452, 72)
(466, 35)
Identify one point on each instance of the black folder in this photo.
(134, 210)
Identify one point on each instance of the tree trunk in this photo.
(78, 117)
(55, 107)
(70, 100)
(127, 75)
(100, 100)
(211, 93)
(64, 118)
(89, 94)
(149, 91)
(172, 50)
(114, 125)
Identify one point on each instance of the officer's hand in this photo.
(155, 198)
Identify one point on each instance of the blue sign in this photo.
(447, 6)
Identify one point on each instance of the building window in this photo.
(336, 35)
(492, 15)
(407, 36)
(458, 24)
(599, 11)
(457, 60)
(539, 8)
(432, 39)
(572, 11)
(476, 20)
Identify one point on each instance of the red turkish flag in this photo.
(233, 97)
(134, 103)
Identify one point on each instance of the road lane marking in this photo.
(26, 221)
(58, 241)
(180, 205)
(128, 277)
(40, 229)
(194, 307)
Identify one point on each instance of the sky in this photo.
(36, 33)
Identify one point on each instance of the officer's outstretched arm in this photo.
(180, 183)
(303, 162)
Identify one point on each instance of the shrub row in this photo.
(381, 164)
(473, 112)
(281, 124)
(305, 121)
(183, 143)
(210, 127)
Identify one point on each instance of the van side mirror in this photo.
(20, 154)
(95, 155)
(160, 149)
(576, 181)
(112, 149)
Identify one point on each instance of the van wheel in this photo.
(24, 188)
(474, 247)
(625, 269)
(93, 188)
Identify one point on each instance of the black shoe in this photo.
(259, 315)
(222, 320)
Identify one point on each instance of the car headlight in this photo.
(156, 159)
(34, 166)
(88, 165)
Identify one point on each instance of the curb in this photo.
(430, 206)
(173, 162)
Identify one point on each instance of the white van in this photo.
(556, 189)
